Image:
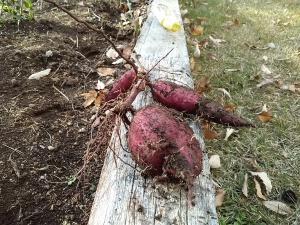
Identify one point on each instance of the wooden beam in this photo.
(123, 196)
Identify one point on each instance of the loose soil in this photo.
(43, 125)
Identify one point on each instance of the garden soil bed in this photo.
(44, 127)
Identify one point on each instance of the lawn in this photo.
(262, 42)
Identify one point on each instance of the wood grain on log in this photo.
(123, 196)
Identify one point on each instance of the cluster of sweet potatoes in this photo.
(163, 145)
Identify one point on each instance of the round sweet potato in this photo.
(163, 145)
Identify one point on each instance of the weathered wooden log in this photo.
(123, 196)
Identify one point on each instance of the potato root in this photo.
(163, 146)
(121, 85)
(187, 100)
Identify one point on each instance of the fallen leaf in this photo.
(196, 68)
(202, 84)
(264, 116)
(236, 21)
(210, 134)
(224, 91)
(229, 132)
(230, 106)
(203, 44)
(183, 12)
(90, 97)
(217, 42)
(196, 31)
(265, 69)
(271, 45)
(263, 180)
(265, 58)
(186, 21)
(220, 197)
(118, 61)
(197, 51)
(127, 50)
(285, 154)
(278, 207)
(39, 75)
(245, 186)
(201, 18)
(103, 71)
(214, 162)
(258, 189)
(111, 53)
(100, 85)
(192, 62)
(98, 99)
(213, 56)
(292, 88)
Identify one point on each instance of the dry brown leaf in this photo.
(196, 68)
(236, 21)
(192, 62)
(278, 207)
(230, 106)
(264, 116)
(103, 71)
(203, 44)
(220, 197)
(201, 18)
(98, 99)
(245, 186)
(90, 97)
(196, 30)
(202, 84)
(210, 134)
(214, 162)
(264, 180)
(292, 88)
(213, 56)
(229, 132)
(127, 51)
(258, 189)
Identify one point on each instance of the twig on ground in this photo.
(96, 30)
(16, 150)
(61, 93)
(14, 166)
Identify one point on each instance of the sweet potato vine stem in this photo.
(96, 30)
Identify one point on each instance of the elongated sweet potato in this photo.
(164, 146)
(187, 100)
(121, 85)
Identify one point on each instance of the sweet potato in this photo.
(187, 100)
(164, 146)
(121, 85)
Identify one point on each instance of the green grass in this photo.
(260, 23)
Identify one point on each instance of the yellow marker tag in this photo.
(166, 18)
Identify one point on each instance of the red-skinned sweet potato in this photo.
(187, 100)
(164, 146)
(121, 85)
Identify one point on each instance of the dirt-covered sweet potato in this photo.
(164, 146)
(187, 100)
(121, 85)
